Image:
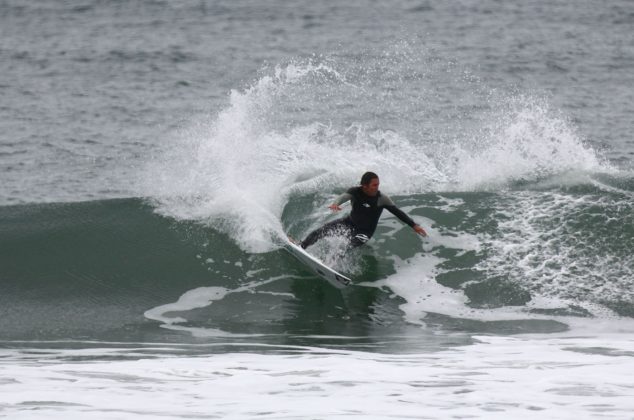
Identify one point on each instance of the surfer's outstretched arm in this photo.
(336, 206)
(389, 205)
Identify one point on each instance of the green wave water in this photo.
(97, 270)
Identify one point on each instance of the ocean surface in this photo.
(155, 154)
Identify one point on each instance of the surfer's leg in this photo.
(329, 229)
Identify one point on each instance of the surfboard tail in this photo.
(318, 267)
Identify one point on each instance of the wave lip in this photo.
(526, 143)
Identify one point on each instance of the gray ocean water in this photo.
(154, 154)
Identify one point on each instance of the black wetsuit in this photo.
(360, 224)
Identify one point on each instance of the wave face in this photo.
(535, 256)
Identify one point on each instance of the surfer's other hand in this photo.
(334, 207)
(419, 230)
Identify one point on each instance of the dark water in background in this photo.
(179, 139)
(90, 89)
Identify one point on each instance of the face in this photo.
(372, 188)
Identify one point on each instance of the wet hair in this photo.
(368, 177)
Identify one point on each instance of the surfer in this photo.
(367, 205)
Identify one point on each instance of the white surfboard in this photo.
(322, 270)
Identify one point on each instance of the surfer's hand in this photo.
(419, 230)
(334, 207)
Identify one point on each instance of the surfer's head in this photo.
(370, 183)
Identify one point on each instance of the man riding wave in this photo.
(367, 205)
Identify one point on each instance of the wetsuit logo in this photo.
(361, 238)
(366, 205)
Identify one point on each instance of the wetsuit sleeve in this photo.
(343, 198)
(389, 205)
